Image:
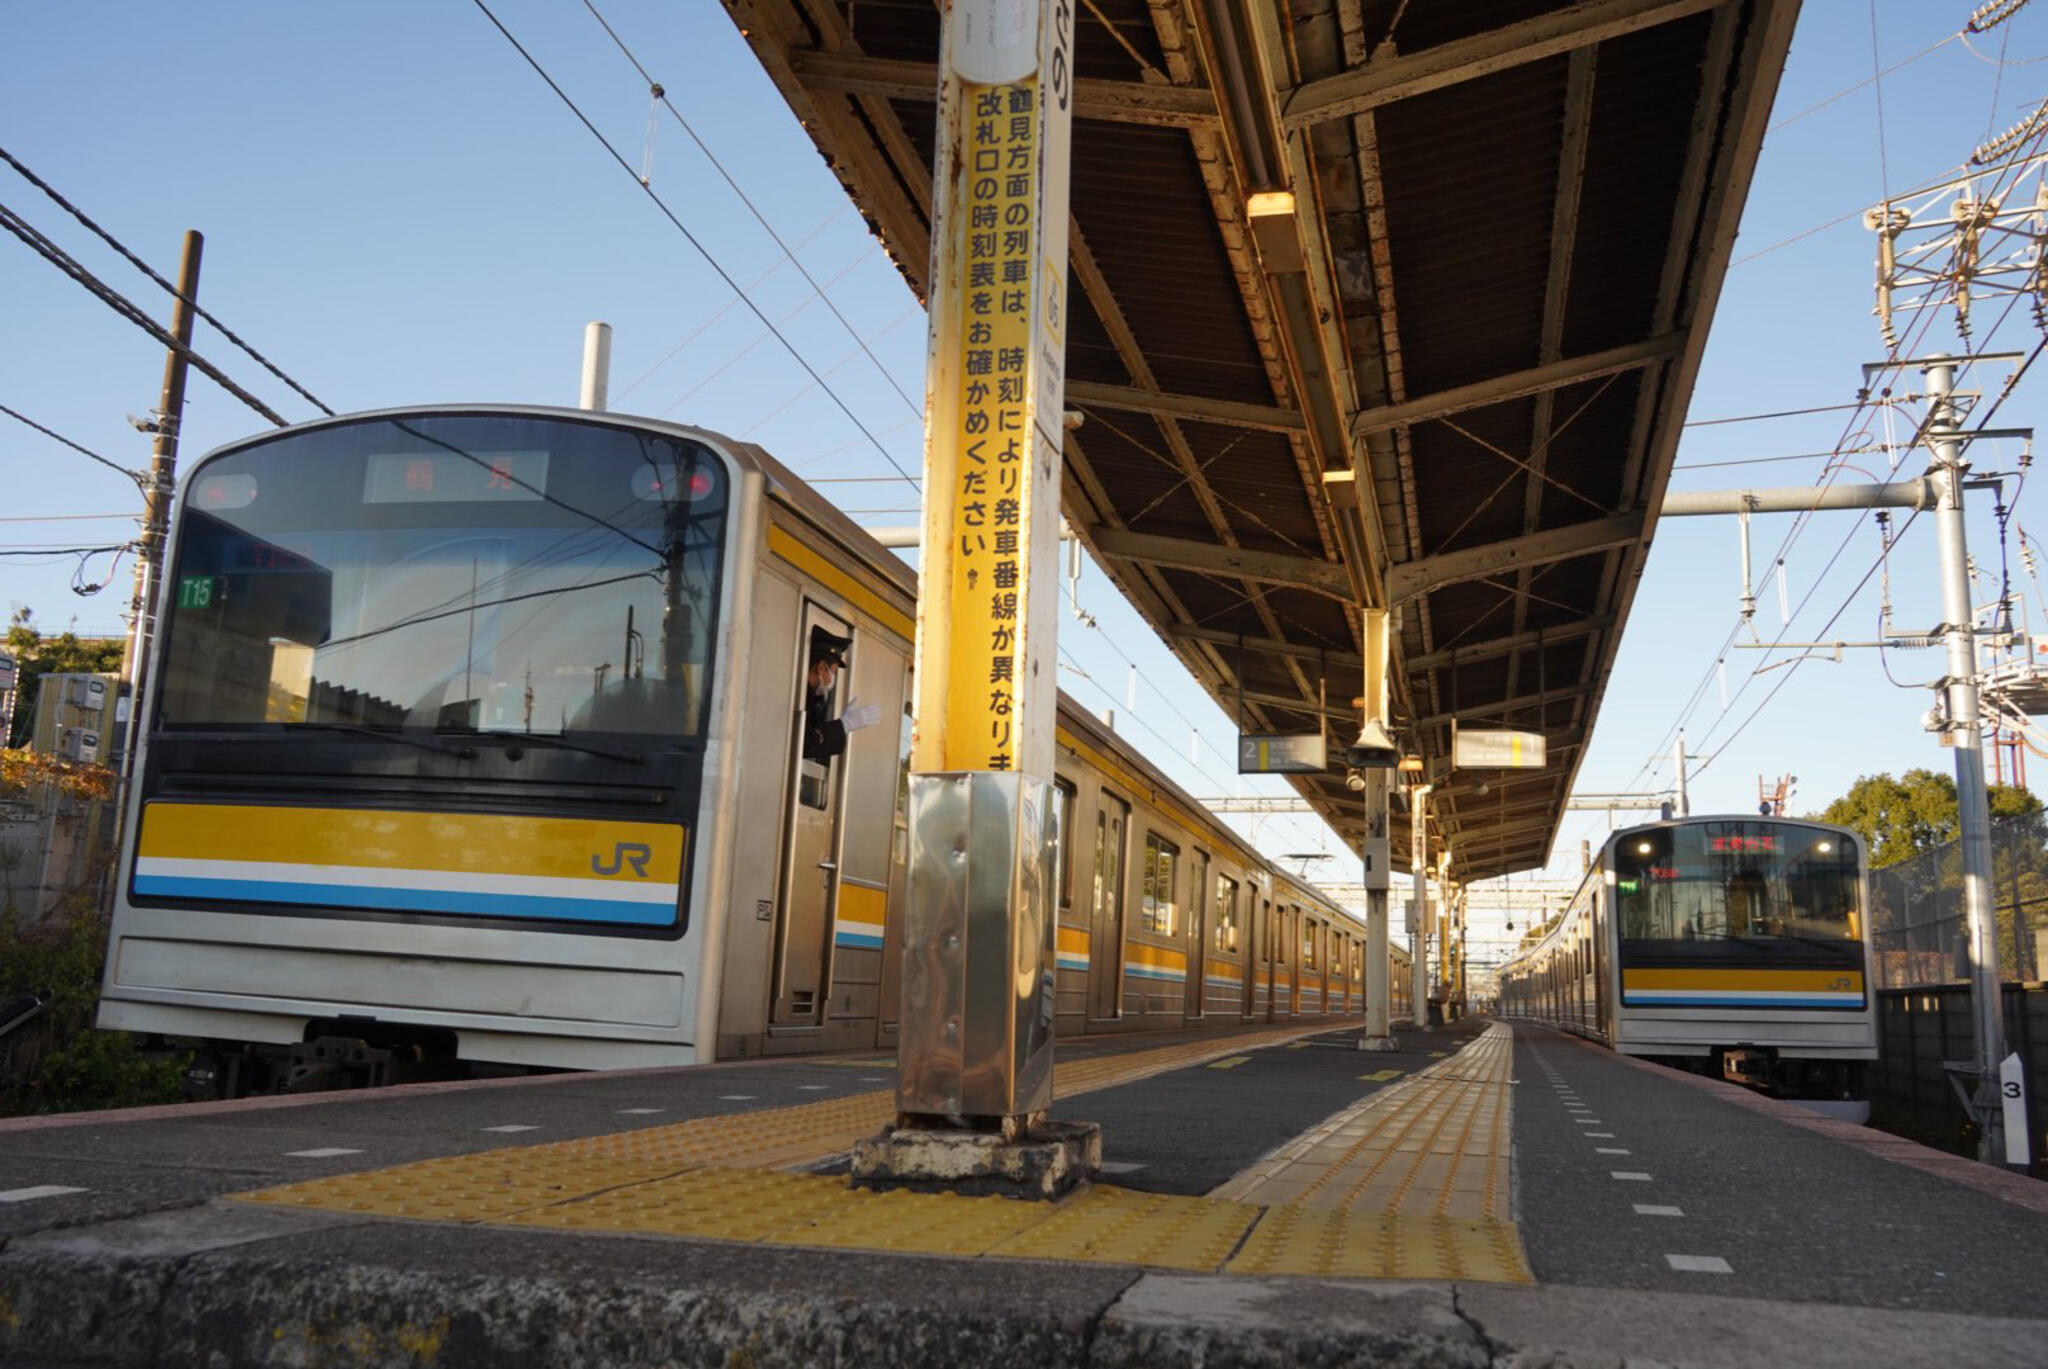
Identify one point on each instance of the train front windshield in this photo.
(449, 573)
(1736, 891)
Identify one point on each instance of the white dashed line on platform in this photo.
(1655, 1210)
(1587, 1121)
(1636, 1175)
(1598, 1135)
(874, 1079)
(322, 1152)
(22, 1195)
(735, 1097)
(812, 1088)
(1609, 1150)
(514, 1126)
(639, 1112)
(1699, 1264)
(1120, 1167)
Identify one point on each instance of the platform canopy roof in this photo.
(1450, 378)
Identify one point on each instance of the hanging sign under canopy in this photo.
(1473, 749)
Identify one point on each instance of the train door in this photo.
(890, 1016)
(1248, 951)
(1106, 919)
(810, 867)
(1196, 1000)
(1603, 1023)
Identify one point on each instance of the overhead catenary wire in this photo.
(140, 478)
(128, 309)
(691, 238)
(139, 264)
(661, 95)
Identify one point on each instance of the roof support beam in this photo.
(1490, 647)
(1179, 553)
(1126, 102)
(1270, 646)
(1532, 40)
(1308, 707)
(1413, 578)
(1131, 399)
(1474, 714)
(1519, 384)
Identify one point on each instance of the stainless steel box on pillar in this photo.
(976, 1033)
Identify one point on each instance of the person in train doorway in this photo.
(825, 735)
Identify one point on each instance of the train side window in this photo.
(1062, 829)
(1308, 945)
(1226, 913)
(1158, 912)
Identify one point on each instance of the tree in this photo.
(1900, 818)
(1917, 814)
(36, 656)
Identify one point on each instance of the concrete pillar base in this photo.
(1046, 1162)
(1378, 1043)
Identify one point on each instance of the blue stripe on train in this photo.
(1739, 1000)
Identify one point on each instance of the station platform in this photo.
(1485, 1195)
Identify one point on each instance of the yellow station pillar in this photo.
(975, 1053)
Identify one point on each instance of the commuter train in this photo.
(1727, 945)
(474, 740)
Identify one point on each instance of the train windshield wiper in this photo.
(391, 734)
(541, 739)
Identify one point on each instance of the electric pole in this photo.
(1966, 735)
(156, 493)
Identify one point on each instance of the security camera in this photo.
(1354, 780)
(1374, 749)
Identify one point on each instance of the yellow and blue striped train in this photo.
(1735, 946)
(475, 739)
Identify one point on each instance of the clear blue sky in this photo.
(397, 210)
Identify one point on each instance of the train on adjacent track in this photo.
(475, 739)
(1735, 946)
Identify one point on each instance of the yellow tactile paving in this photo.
(1119, 1226)
(1408, 1185)
(1411, 1182)
(499, 1182)
(1432, 1145)
(463, 1188)
(1381, 1245)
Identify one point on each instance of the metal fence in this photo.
(1918, 933)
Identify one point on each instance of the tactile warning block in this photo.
(925, 1223)
(1120, 1226)
(720, 1204)
(1384, 1245)
(463, 1188)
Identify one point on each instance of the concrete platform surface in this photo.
(224, 1234)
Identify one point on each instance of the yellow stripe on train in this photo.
(468, 843)
(1782, 981)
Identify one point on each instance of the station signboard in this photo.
(6, 672)
(1282, 753)
(1473, 749)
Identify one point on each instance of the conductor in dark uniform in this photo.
(825, 735)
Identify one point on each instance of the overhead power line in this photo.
(130, 310)
(661, 94)
(136, 476)
(691, 238)
(139, 264)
